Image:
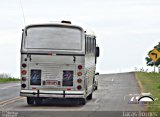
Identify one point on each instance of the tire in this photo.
(82, 101)
(89, 97)
(30, 100)
(96, 88)
(38, 101)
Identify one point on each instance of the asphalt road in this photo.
(112, 99)
(9, 90)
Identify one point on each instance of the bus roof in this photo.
(62, 23)
(53, 24)
(89, 32)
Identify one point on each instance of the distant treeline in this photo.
(5, 75)
(4, 78)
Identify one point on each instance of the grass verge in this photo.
(150, 82)
(5, 80)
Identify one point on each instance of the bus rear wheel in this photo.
(89, 97)
(82, 101)
(96, 88)
(38, 101)
(30, 100)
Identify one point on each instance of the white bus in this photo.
(57, 60)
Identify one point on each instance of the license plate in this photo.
(51, 82)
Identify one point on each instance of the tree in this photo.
(149, 61)
(157, 46)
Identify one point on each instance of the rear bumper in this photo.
(54, 94)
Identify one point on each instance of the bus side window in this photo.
(94, 46)
(86, 45)
(91, 45)
(88, 48)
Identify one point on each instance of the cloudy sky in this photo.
(126, 29)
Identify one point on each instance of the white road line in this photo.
(2, 102)
(112, 79)
(9, 86)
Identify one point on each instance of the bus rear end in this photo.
(52, 62)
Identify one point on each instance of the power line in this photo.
(22, 12)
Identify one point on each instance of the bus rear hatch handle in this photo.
(29, 56)
(63, 94)
(74, 59)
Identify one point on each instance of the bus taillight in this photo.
(79, 73)
(24, 65)
(79, 87)
(23, 85)
(24, 72)
(79, 80)
(79, 67)
(23, 78)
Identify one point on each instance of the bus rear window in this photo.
(56, 38)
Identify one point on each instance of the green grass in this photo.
(150, 82)
(5, 80)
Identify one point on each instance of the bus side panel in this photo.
(90, 72)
